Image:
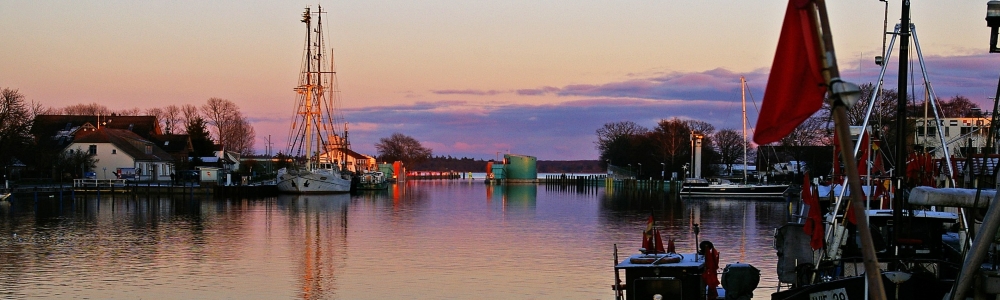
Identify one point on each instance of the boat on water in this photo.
(697, 187)
(916, 249)
(314, 133)
(372, 181)
(659, 272)
(700, 187)
(4, 196)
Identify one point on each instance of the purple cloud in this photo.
(717, 84)
(468, 92)
(551, 132)
(566, 131)
(538, 91)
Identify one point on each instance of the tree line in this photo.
(668, 146)
(231, 128)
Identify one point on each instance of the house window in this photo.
(149, 149)
(92, 150)
(947, 131)
(114, 151)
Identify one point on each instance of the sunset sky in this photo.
(466, 78)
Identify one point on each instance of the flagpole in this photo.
(832, 76)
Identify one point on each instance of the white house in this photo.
(123, 152)
(958, 134)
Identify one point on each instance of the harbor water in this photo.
(454, 239)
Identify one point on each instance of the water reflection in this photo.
(519, 199)
(424, 240)
(317, 228)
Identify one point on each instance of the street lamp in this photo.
(663, 171)
(993, 21)
(640, 170)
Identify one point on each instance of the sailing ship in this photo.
(698, 187)
(313, 137)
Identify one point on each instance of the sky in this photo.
(465, 78)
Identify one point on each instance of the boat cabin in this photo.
(670, 275)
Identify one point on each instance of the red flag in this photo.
(863, 156)
(658, 243)
(796, 86)
(647, 235)
(670, 246)
(814, 221)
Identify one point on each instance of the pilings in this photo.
(424, 175)
(610, 184)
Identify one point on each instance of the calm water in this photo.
(421, 240)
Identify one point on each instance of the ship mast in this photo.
(307, 112)
(743, 90)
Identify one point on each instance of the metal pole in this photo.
(901, 151)
(933, 99)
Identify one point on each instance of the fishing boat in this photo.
(917, 249)
(699, 187)
(659, 272)
(372, 181)
(314, 138)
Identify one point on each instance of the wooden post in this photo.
(872, 272)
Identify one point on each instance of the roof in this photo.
(132, 144)
(173, 143)
(51, 127)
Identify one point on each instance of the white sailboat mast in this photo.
(743, 90)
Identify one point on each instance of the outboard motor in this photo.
(740, 280)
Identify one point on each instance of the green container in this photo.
(387, 170)
(521, 167)
(498, 172)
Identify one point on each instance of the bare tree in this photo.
(232, 129)
(958, 107)
(615, 142)
(128, 112)
(220, 114)
(883, 110)
(730, 145)
(702, 127)
(172, 119)
(673, 142)
(241, 135)
(189, 113)
(15, 123)
(158, 114)
(400, 147)
(610, 132)
(92, 109)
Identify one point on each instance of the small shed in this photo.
(208, 174)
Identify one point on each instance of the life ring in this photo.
(656, 259)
